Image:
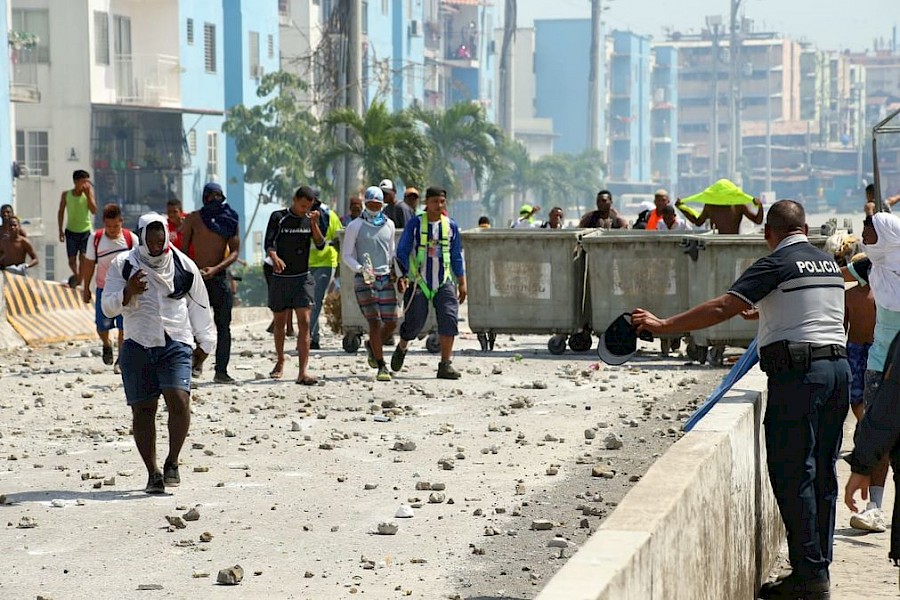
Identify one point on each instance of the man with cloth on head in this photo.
(212, 233)
(369, 251)
(797, 293)
(160, 294)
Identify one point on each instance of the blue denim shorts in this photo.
(146, 372)
(103, 322)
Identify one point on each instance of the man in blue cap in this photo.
(213, 233)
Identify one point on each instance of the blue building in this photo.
(664, 118)
(561, 70)
(6, 155)
(408, 80)
(250, 51)
(629, 108)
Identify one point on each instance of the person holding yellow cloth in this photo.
(322, 265)
(724, 205)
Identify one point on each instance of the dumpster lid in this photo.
(619, 342)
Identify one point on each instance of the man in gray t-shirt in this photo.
(368, 251)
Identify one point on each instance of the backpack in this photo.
(98, 235)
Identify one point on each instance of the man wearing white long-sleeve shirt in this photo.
(368, 250)
(160, 294)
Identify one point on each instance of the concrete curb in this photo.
(701, 524)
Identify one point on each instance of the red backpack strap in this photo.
(128, 241)
(97, 236)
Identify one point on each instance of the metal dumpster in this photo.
(528, 281)
(354, 326)
(628, 269)
(721, 259)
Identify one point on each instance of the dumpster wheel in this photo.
(433, 343)
(716, 355)
(557, 344)
(581, 341)
(351, 343)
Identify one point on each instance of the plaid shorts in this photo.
(378, 302)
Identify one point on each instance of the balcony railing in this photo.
(148, 79)
(23, 77)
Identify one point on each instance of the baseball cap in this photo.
(526, 209)
(374, 194)
(411, 191)
(387, 184)
(212, 188)
(619, 342)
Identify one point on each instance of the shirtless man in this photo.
(213, 232)
(14, 249)
(605, 216)
(725, 219)
(6, 213)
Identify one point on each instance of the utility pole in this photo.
(714, 24)
(594, 77)
(506, 67)
(354, 91)
(734, 80)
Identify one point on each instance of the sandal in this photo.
(278, 371)
(307, 380)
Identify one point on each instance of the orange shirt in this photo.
(653, 220)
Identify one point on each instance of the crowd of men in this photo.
(825, 350)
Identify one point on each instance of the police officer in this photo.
(797, 293)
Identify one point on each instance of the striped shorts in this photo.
(378, 302)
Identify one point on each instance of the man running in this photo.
(104, 246)
(76, 206)
(368, 251)
(159, 292)
(213, 233)
(429, 250)
(289, 235)
(15, 250)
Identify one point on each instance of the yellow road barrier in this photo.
(44, 312)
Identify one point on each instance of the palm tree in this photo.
(462, 133)
(512, 176)
(385, 144)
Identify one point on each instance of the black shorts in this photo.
(76, 243)
(291, 292)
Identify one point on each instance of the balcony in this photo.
(23, 75)
(148, 80)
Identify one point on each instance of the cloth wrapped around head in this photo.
(160, 269)
(885, 256)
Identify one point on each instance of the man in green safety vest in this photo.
(429, 254)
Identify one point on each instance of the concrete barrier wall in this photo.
(701, 524)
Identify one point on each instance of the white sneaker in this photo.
(871, 519)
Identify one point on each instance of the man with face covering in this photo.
(160, 294)
(213, 233)
(879, 270)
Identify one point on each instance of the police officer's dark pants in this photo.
(221, 301)
(804, 424)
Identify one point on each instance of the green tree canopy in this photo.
(460, 133)
(385, 144)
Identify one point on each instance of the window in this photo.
(365, 17)
(284, 8)
(209, 47)
(36, 22)
(190, 32)
(253, 44)
(101, 37)
(33, 151)
(192, 142)
(50, 261)
(270, 46)
(212, 154)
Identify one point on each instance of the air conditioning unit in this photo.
(415, 28)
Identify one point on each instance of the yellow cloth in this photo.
(721, 193)
(328, 257)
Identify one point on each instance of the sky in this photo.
(830, 24)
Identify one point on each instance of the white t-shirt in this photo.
(680, 225)
(106, 251)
